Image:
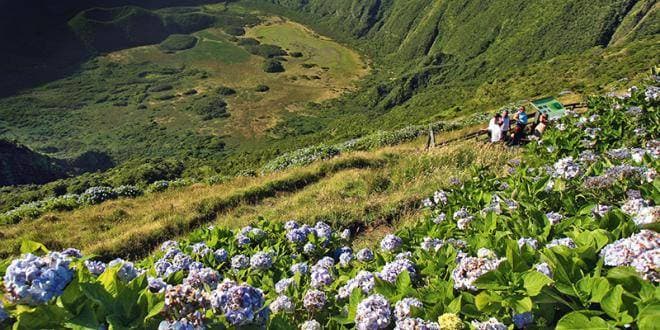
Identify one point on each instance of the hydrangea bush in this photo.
(567, 239)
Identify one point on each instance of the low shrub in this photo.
(96, 195)
(266, 51)
(177, 42)
(262, 88)
(234, 30)
(296, 54)
(226, 91)
(273, 66)
(161, 88)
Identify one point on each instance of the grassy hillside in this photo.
(559, 234)
(413, 62)
(366, 189)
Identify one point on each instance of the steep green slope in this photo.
(20, 165)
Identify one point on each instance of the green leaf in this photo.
(534, 282)
(579, 321)
(612, 302)
(649, 316)
(454, 306)
(155, 310)
(522, 305)
(28, 246)
(599, 288)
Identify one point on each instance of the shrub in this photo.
(296, 54)
(308, 65)
(234, 30)
(226, 91)
(164, 97)
(157, 186)
(262, 88)
(177, 42)
(210, 107)
(266, 51)
(96, 195)
(161, 88)
(248, 42)
(127, 191)
(273, 66)
(190, 92)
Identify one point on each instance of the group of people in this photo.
(500, 127)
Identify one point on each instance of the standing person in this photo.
(505, 124)
(521, 122)
(494, 128)
(540, 127)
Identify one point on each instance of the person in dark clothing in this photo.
(521, 123)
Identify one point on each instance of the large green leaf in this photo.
(534, 282)
(580, 321)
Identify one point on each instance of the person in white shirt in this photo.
(494, 128)
(506, 125)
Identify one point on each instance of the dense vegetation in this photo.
(566, 239)
(177, 42)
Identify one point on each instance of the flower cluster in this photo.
(566, 168)
(469, 269)
(314, 300)
(34, 280)
(261, 261)
(373, 313)
(363, 280)
(391, 270)
(240, 304)
(641, 251)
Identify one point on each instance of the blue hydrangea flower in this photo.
(240, 304)
(182, 324)
(345, 259)
(300, 267)
(36, 280)
(240, 261)
(95, 267)
(3, 313)
(321, 276)
(156, 284)
(523, 320)
(200, 249)
(261, 261)
(373, 313)
(365, 255)
(243, 240)
(291, 225)
(127, 271)
(220, 255)
(323, 231)
(169, 245)
(309, 248)
(390, 243)
(345, 234)
(299, 235)
(72, 253)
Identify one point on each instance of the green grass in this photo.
(367, 188)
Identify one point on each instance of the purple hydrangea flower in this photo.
(490, 324)
(391, 270)
(261, 261)
(300, 267)
(156, 284)
(282, 285)
(241, 304)
(95, 267)
(282, 304)
(365, 255)
(390, 243)
(373, 313)
(240, 261)
(363, 280)
(314, 300)
(220, 255)
(403, 307)
(199, 278)
(469, 269)
(566, 241)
